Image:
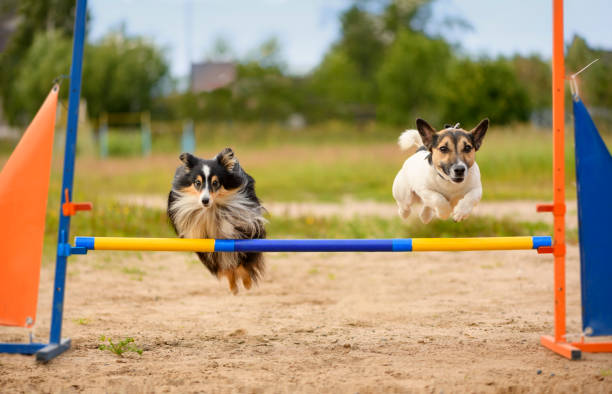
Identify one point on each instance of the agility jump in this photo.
(21, 253)
(311, 245)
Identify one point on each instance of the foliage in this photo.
(595, 82)
(485, 88)
(36, 17)
(412, 15)
(262, 92)
(126, 345)
(361, 40)
(120, 74)
(404, 93)
(47, 58)
(345, 84)
(338, 87)
(388, 64)
(533, 74)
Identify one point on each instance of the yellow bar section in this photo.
(156, 244)
(465, 244)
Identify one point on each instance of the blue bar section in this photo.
(21, 348)
(224, 245)
(84, 242)
(314, 245)
(402, 245)
(541, 241)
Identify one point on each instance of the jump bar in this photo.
(312, 245)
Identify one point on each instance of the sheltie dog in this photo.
(216, 199)
(441, 175)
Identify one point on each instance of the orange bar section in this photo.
(563, 348)
(594, 347)
(559, 169)
(24, 183)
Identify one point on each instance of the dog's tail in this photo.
(410, 141)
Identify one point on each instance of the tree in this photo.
(410, 78)
(535, 77)
(361, 40)
(337, 84)
(484, 88)
(411, 15)
(348, 80)
(36, 17)
(595, 82)
(263, 91)
(221, 51)
(120, 74)
(46, 59)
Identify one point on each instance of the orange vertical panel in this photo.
(24, 184)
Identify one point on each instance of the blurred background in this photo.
(311, 94)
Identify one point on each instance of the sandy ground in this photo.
(521, 210)
(351, 322)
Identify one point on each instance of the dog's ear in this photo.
(227, 159)
(479, 132)
(427, 133)
(188, 160)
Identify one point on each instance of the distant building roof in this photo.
(209, 76)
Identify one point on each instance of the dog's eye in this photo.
(215, 184)
(197, 183)
(444, 149)
(467, 149)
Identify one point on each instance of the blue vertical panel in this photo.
(594, 184)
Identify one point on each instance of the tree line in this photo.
(385, 66)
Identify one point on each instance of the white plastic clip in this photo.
(574, 82)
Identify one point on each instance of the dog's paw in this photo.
(426, 215)
(461, 212)
(403, 212)
(443, 211)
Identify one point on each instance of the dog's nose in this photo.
(205, 201)
(459, 171)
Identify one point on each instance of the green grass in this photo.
(82, 321)
(123, 346)
(375, 227)
(124, 142)
(320, 163)
(516, 163)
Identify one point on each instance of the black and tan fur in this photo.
(216, 199)
(452, 146)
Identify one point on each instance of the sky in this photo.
(187, 29)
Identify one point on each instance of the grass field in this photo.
(328, 163)
(323, 164)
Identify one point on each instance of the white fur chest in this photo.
(192, 220)
(451, 190)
